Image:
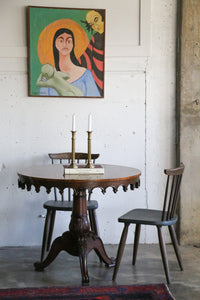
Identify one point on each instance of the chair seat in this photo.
(67, 205)
(146, 216)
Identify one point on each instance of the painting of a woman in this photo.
(66, 62)
(59, 41)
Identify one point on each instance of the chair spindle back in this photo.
(172, 190)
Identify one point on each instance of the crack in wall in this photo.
(145, 143)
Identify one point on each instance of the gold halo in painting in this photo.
(45, 41)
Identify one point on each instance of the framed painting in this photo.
(66, 49)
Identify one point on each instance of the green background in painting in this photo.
(39, 18)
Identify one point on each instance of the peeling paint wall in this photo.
(190, 121)
(133, 125)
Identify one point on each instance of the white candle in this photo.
(90, 123)
(73, 123)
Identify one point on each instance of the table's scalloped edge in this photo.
(134, 183)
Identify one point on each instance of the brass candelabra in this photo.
(73, 164)
(89, 163)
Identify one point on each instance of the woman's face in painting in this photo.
(64, 43)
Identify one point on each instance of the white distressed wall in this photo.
(133, 125)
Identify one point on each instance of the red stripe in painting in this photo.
(89, 66)
(98, 51)
(97, 80)
(90, 47)
(99, 64)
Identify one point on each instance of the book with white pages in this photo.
(82, 169)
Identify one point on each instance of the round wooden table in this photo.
(78, 240)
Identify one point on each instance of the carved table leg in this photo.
(83, 261)
(78, 241)
(59, 244)
(80, 227)
(101, 252)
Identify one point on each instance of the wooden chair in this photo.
(66, 205)
(158, 218)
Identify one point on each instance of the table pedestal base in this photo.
(80, 246)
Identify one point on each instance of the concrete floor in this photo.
(16, 269)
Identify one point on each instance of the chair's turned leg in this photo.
(93, 221)
(45, 234)
(163, 253)
(136, 242)
(52, 221)
(175, 244)
(120, 250)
